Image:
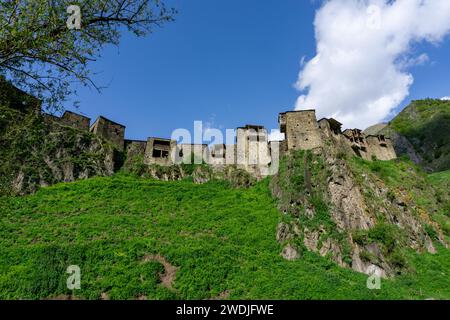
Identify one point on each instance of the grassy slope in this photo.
(441, 181)
(441, 178)
(430, 192)
(426, 124)
(220, 238)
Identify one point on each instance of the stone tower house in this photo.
(300, 129)
(160, 151)
(109, 130)
(253, 153)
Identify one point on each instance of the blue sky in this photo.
(225, 62)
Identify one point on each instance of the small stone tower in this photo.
(109, 130)
(300, 129)
(160, 151)
(253, 152)
(75, 120)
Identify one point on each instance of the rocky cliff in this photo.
(361, 214)
(35, 152)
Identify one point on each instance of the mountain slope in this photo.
(362, 214)
(220, 240)
(422, 131)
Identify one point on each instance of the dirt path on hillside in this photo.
(170, 271)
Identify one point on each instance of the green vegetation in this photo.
(391, 239)
(408, 186)
(43, 57)
(302, 182)
(441, 183)
(398, 173)
(406, 181)
(426, 124)
(44, 153)
(220, 238)
(429, 193)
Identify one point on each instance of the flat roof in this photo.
(330, 119)
(193, 144)
(251, 126)
(78, 114)
(104, 118)
(357, 130)
(295, 111)
(162, 139)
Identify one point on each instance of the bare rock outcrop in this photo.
(290, 253)
(36, 154)
(348, 213)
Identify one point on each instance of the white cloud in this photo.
(445, 98)
(276, 135)
(408, 62)
(359, 74)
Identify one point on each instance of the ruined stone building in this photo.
(110, 130)
(380, 147)
(195, 153)
(221, 154)
(303, 132)
(300, 129)
(70, 119)
(253, 150)
(75, 120)
(160, 151)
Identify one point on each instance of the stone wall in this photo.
(253, 151)
(160, 151)
(301, 129)
(221, 154)
(109, 130)
(14, 98)
(381, 147)
(134, 148)
(75, 120)
(191, 153)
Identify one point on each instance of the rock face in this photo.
(339, 207)
(199, 173)
(290, 253)
(37, 153)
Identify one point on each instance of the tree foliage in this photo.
(41, 55)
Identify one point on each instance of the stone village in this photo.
(252, 150)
